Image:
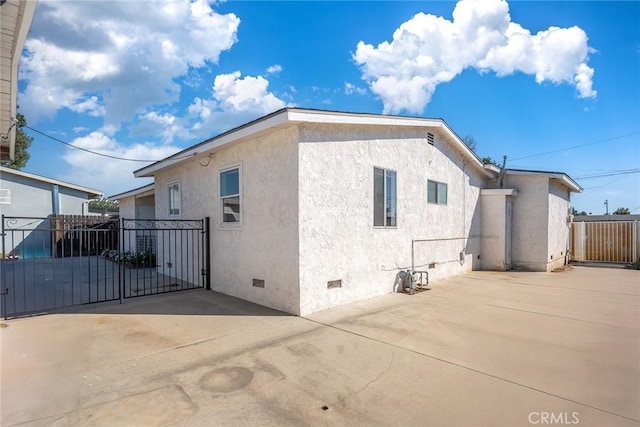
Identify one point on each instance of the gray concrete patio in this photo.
(486, 348)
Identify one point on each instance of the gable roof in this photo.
(565, 179)
(291, 116)
(91, 193)
(143, 191)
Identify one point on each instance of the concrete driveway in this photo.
(481, 349)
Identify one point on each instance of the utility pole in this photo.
(606, 204)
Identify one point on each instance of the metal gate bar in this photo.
(66, 260)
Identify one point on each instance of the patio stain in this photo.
(226, 380)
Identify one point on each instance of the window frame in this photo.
(438, 186)
(385, 190)
(239, 195)
(171, 185)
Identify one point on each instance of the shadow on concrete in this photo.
(196, 302)
(600, 264)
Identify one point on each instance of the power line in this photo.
(576, 146)
(615, 173)
(101, 154)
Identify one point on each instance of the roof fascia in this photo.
(147, 190)
(89, 191)
(566, 180)
(245, 131)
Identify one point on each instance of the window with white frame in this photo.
(384, 198)
(436, 192)
(230, 195)
(174, 198)
(5, 196)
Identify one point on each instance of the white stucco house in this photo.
(139, 205)
(313, 209)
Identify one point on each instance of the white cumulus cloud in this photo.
(235, 100)
(107, 174)
(274, 69)
(428, 50)
(116, 58)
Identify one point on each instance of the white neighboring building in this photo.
(313, 209)
(24, 194)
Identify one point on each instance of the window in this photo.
(436, 192)
(230, 195)
(174, 199)
(5, 196)
(384, 198)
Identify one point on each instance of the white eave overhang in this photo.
(564, 179)
(15, 21)
(499, 192)
(91, 192)
(293, 116)
(147, 190)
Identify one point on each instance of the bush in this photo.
(147, 258)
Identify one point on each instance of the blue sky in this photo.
(551, 85)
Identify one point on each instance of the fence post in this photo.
(119, 263)
(207, 262)
(4, 292)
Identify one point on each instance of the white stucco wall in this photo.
(493, 231)
(33, 198)
(265, 245)
(559, 225)
(337, 238)
(530, 221)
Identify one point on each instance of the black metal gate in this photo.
(67, 260)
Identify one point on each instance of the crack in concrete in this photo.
(343, 399)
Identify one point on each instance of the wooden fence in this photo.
(605, 241)
(82, 235)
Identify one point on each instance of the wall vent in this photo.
(432, 265)
(430, 138)
(334, 284)
(258, 283)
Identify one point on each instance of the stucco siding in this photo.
(530, 221)
(493, 232)
(559, 225)
(337, 238)
(265, 245)
(33, 198)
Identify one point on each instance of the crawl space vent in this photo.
(258, 283)
(334, 284)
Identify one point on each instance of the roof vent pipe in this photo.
(504, 162)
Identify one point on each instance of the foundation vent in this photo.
(334, 284)
(258, 283)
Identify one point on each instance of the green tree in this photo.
(23, 142)
(621, 211)
(489, 161)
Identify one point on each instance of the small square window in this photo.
(436, 192)
(174, 199)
